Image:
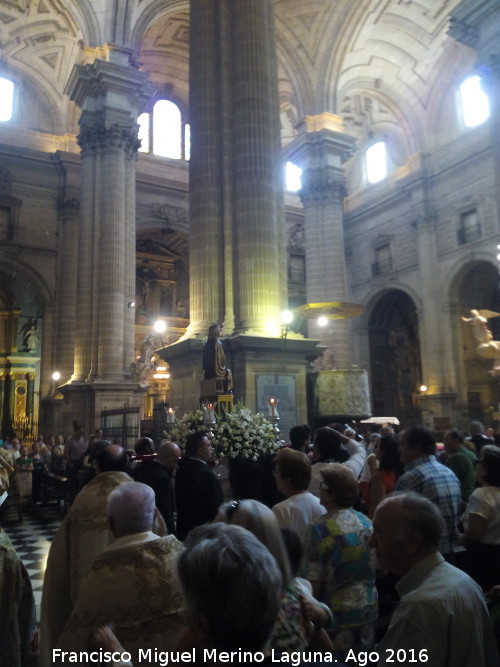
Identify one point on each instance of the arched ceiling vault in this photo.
(396, 51)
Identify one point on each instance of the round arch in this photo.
(24, 299)
(395, 363)
(151, 13)
(25, 276)
(475, 285)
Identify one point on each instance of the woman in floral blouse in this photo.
(340, 565)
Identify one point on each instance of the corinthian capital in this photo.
(321, 185)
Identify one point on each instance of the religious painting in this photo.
(145, 295)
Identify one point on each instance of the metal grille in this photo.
(121, 425)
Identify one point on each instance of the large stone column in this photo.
(340, 391)
(237, 257)
(237, 235)
(111, 95)
(320, 151)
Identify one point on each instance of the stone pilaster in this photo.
(438, 365)
(67, 306)
(320, 151)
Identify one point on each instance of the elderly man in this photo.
(133, 582)
(293, 474)
(198, 493)
(82, 535)
(157, 473)
(424, 474)
(442, 619)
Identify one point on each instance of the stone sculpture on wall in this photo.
(487, 348)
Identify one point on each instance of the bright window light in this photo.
(167, 128)
(6, 99)
(292, 177)
(475, 104)
(376, 162)
(143, 135)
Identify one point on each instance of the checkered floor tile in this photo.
(32, 538)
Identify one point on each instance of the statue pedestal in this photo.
(210, 389)
(262, 368)
(341, 395)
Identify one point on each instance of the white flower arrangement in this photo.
(192, 422)
(239, 434)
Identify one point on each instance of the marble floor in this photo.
(31, 536)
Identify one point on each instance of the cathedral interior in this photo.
(225, 160)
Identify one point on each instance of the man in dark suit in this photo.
(156, 473)
(198, 492)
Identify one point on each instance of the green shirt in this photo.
(463, 465)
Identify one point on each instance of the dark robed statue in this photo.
(214, 360)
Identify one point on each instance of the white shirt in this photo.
(357, 454)
(298, 511)
(485, 501)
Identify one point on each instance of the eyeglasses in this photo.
(231, 508)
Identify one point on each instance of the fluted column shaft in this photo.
(207, 168)
(237, 257)
(254, 135)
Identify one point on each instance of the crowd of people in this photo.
(382, 542)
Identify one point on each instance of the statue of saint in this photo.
(139, 370)
(214, 360)
(487, 348)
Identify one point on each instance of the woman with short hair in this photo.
(340, 564)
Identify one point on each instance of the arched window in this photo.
(6, 99)
(163, 132)
(292, 177)
(474, 102)
(376, 162)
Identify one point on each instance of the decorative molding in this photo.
(319, 185)
(172, 214)
(98, 136)
(296, 236)
(464, 32)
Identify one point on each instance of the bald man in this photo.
(442, 618)
(82, 535)
(157, 473)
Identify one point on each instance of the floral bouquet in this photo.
(239, 434)
(192, 422)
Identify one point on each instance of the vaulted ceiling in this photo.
(373, 61)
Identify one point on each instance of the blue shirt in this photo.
(425, 475)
